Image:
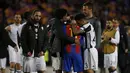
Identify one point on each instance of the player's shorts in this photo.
(40, 64)
(3, 63)
(14, 56)
(110, 60)
(34, 64)
(72, 59)
(56, 62)
(28, 64)
(91, 59)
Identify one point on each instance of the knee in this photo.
(90, 71)
(112, 69)
(12, 64)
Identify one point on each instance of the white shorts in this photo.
(14, 56)
(56, 63)
(40, 64)
(34, 64)
(91, 59)
(28, 64)
(111, 59)
(3, 63)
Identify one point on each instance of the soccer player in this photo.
(110, 40)
(34, 42)
(4, 42)
(15, 55)
(90, 52)
(71, 52)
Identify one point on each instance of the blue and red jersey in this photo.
(72, 52)
(68, 48)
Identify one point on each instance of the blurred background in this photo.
(102, 8)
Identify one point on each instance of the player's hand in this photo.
(8, 28)
(77, 41)
(73, 22)
(41, 53)
(29, 54)
(16, 48)
(126, 50)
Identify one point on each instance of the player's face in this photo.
(66, 17)
(80, 22)
(37, 16)
(109, 24)
(115, 23)
(17, 18)
(86, 10)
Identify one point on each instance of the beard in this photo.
(109, 27)
(36, 20)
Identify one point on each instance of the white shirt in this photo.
(20, 28)
(116, 38)
(15, 30)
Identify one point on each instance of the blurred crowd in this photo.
(102, 8)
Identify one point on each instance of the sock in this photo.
(11, 70)
(114, 71)
(19, 71)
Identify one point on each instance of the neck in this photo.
(90, 15)
(17, 24)
(116, 27)
(86, 22)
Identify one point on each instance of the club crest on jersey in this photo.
(42, 28)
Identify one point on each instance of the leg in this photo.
(112, 70)
(12, 67)
(41, 71)
(18, 67)
(12, 58)
(79, 72)
(113, 61)
(121, 62)
(90, 60)
(90, 71)
(2, 70)
(67, 72)
(40, 64)
(58, 71)
(28, 65)
(19, 61)
(67, 64)
(3, 65)
(56, 64)
(77, 63)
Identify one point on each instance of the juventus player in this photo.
(15, 55)
(89, 43)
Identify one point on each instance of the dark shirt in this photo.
(4, 42)
(34, 38)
